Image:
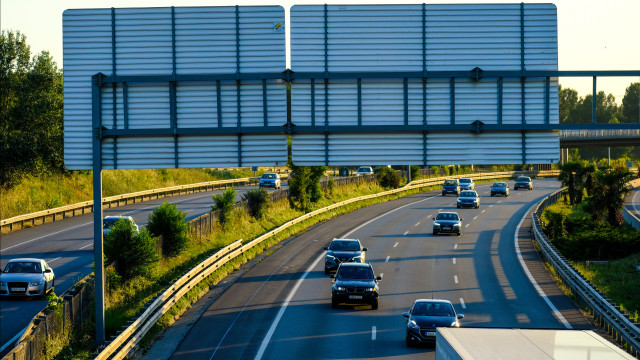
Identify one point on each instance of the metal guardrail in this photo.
(606, 314)
(121, 346)
(60, 213)
(629, 217)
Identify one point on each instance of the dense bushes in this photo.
(305, 188)
(169, 222)
(132, 252)
(257, 202)
(224, 203)
(387, 177)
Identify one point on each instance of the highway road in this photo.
(67, 246)
(632, 202)
(280, 308)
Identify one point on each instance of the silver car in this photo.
(26, 277)
(270, 180)
(468, 198)
(467, 184)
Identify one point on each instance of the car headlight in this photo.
(456, 225)
(340, 288)
(329, 257)
(436, 224)
(36, 283)
(413, 326)
(371, 289)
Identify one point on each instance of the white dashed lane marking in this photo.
(405, 233)
(418, 223)
(387, 260)
(396, 244)
(466, 225)
(462, 303)
(373, 333)
(454, 261)
(86, 246)
(455, 278)
(483, 211)
(455, 246)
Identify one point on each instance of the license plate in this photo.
(446, 228)
(355, 297)
(18, 289)
(431, 333)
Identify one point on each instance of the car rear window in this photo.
(355, 272)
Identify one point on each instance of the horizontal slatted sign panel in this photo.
(172, 94)
(330, 42)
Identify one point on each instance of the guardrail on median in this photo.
(121, 346)
(60, 213)
(629, 217)
(607, 315)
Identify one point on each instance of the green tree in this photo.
(169, 222)
(387, 177)
(257, 202)
(608, 194)
(629, 108)
(570, 176)
(224, 203)
(132, 252)
(305, 188)
(31, 117)
(567, 100)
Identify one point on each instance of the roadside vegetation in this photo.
(587, 225)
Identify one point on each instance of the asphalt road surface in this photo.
(280, 308)
(67, 246)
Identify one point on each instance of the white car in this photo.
(270, 180)
(365, 170)
(467, 184)
(26, 277)
(109, 221)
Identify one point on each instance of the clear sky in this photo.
(592, 34)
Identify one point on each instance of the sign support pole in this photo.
(97, 209)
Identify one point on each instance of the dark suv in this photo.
(355, 283)
(343, 250)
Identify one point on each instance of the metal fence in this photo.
(606, 314)
(55, 325)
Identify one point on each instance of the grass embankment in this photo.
(618, 279)
(42, 193)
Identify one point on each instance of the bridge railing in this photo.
(606, 314)
(599, 133)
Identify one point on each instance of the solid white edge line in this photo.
(18, 335)
(462, 303)
(635, 201)
(544, 296)
(272, 329)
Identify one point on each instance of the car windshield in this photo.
(269, 176)
(523, 179)
(355, 272)
(468, 194)
(23, 267)
(499, 185)
(432, 309)
(447, 216)
(464, 181)
(450, 183)
(344, 245)
(364, 169)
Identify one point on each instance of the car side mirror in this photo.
(332, 276)
(434, 219)
(460, 316)
(379, 278)
(405, 314)
(326, 248)
(48, 271)
(364, 249)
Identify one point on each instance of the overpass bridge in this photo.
(599, 138)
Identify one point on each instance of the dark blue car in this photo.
(451, 186)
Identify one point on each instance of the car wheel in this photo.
(459, 233)
(374, 305)
(477, 206)
(334, 303)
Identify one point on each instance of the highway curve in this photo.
(280, 308)
(67, 246)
